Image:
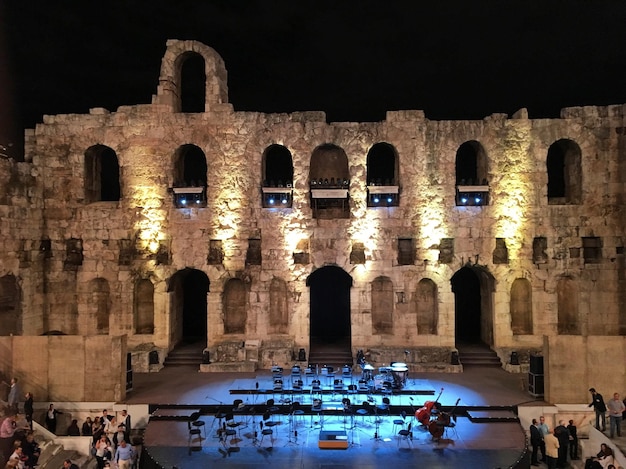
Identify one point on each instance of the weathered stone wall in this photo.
(573, 364)
(49, 204)
(67, 368)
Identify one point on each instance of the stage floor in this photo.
(468, 445)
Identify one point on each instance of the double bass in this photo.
(423, 413)
(437, 426)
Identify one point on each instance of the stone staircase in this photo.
(53, 455)
(334, 355)
(185, 354)
(478, 355)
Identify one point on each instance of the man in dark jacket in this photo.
(536, 439)
(600, 407)
(562, 434)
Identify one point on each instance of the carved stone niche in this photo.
(446, 250)
(127, 251)
(216, 252)
(500, 253)
(357, 255)
(73, 254)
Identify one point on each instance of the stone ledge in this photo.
(218, 367)
(434, 367)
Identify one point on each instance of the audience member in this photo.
(562, 434)
(120, 434)
(573, 439)
(7, 435)
(599, 407)
(616, 407)
(552, 449)
(18, 455)
(68, 464)
(536, 441)
(51, 418)
(104, 450)
(602, 460)
(72, 429)
(31, 450)
(87, 429)
(124, 455)
(28, 408)
(14, 396)
(124, 419)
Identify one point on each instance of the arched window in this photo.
(277, 173)
(521, 307)
(234, 307)
(279, 313)
(567, 305)
(192, 82)
(329, 178)
(102, 175)
(472, 187)
(144, 307)
(190, 177)
(382, 176)
(382, 306)
(564, 173)
(427, 307)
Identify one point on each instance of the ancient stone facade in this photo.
(267, 233)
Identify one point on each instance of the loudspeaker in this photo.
(301, 355)
(536, 364)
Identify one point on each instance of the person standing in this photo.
(616, 407)
(124, 455)
(600, 408)
(573, 440)
(562, 434)
(14, 396)
(28, 408)
(51, 418)
(536, 440)
(552, 449)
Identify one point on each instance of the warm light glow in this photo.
(149, 225)
(365, 224)
(433, 226)
(513, 198)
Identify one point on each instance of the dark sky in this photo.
(352, 59)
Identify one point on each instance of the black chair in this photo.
(197, 423)
(406, 434)
(266, 429)
(316, 409)
(365, 410)
(399, 422)
(193, 433)
(385, 406)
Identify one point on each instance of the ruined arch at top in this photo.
(102, 175)
(182, 62)
(471, 164)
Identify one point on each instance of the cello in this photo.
(423, 413)
(437, 426)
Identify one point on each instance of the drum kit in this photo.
(388, 377)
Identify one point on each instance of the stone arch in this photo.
(382, 305)
(330, 322)
(427, 306)
(279, 306)
(102, 175)
(568, 318)
(10, 306)
(192, 82)
(473, 288)
(471, 164)
(100, 304)
(190, 166)
(564, 167)
(521, 307)
(234, 306)
(188, 290)
(144, 307)
(382, 165)
(329, 162)
(169, 91)
(277, 166)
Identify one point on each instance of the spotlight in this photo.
(284, 201)
(183, 201)
(376, 200)
(389, 199)
(271, 200)
(463, 200)
(477, 200)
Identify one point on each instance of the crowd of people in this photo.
(111, 445)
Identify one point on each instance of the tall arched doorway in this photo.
(188, 306)
(473, 307)
(330, 327)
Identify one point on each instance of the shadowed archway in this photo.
(188, 306)
(330, 326)
(473, 306)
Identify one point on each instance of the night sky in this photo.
(352, 59)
